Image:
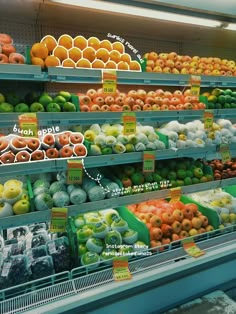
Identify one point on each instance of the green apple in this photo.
(106, 150)
(84, 234)
(59, 99)
(5, 209)
(6, 107)
(21, 207)
(12, 99)
(45, 99)
(22, 107)
(2, 98)
(198, 173)
(53, 107)
(69, 107)
(129, 148)
(66, 95)
(225, 217)
(36, 107)
(82, 249)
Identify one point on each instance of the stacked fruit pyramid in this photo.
(80, 52)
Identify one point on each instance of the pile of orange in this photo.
(80, 52)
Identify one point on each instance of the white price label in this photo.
(6, 268)
(52, 247)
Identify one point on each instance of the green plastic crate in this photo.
(135, 224)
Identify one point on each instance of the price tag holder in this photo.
(28, 123)
(195, 82)
(148, 161)
(74, 171)
(129, 122)
(109, 82)
(175, 194)
(225, 153)
(121, 270)
(208, 119)
(191, 248)
(58, 219)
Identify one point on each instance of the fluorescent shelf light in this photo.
(231, 26)
(131, 10)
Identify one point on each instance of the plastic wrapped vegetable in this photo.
(42, 267)
(59, 250)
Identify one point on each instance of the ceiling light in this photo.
(131, 10)
(231, 26)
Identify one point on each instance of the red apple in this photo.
(84, 108)
(22, 156)
(18, 142)
(147, 107)
(3, 58)
(80, 150)
(7, 158)
(136, 108)
(141, 94)
(109, 100)
(129, 101)
(52, 153)
(160, 93)
(3, 145)
(92, 93)
(178, 215)
(156, 107)
(38, 155)
(99, 101)
(186, 224)
(76, 138)
(176, 226)
(85, 100)
(149, 100)
(132, 93)
(49, 140)
(119, 100)
(156, 221)
(158, 100)
(33, 143)
(66, 151)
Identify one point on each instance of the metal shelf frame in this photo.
(64, 75)
(73, 210)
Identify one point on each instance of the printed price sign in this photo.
(121, 270)
(225, 153)
(208, 119)
(58, 219)
(148, 161)
(109, 80)
(74, 171)
(191, 248)
(28, 124)
(129, 122)
(175, 194)
(195, 82)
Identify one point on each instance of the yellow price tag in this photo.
(109, 80)
(225, 153)
(191, 248)
(208, 119)
(121, 270)
(195, 81)
(29, 124)
(175, 194)
(58, 219)
(129, 122)
(74, 171)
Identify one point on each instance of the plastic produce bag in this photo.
(60, 252)
(42, 267)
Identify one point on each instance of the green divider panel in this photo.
(211, 214)
(231, 190)
(135, 224)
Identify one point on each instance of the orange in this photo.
(103, 54)
(98, 64)
(68, 63)
(134, 66)
(126, 58)
(80, 42)
(115, 56)
(50, 42)
(39, 50)
(52, 61)
(122, 66)
(75, 53)
(118, 46)
(65, 41)
(106, 44)
(89, 53)
(83, 63)
(60, 52)
(94, 42)
(37, 61)
(110, 65)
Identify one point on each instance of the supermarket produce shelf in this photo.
(23, 72)
(65, 75)
(99, 293)
(49, 119)
(42, 216)
(60, 164)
